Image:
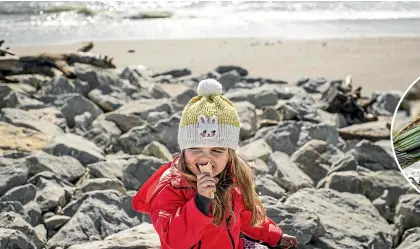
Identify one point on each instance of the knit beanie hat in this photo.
(209, 119)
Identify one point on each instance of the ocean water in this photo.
(63, 22)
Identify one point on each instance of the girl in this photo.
(178, 196)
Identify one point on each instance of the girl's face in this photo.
(217, 156)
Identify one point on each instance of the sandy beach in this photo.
(374, 63)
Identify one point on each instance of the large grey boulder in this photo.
(102, 213)
(342, 214)
(75, 146)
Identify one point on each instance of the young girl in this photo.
(179, 197)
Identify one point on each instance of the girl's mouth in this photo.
(198, 165)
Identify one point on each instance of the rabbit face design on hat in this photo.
(207, 127)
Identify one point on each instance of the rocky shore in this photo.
(74, 150)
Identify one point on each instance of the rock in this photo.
(155, 117)
(13, 206)
(41, 232)
(108, 97)
(69, 167)
(61, 84)
(258, 166)
(52, 191)
(224, 69)
(33, 213)
(21, 101)
(282, 137)
(346, 163)
(78, 147)
(315, 158)
(411, 239)
(296, 221)
(102, 213)
(259, 97)
(23, 118)
(270, 113)
(102, 184)
(139, 170)
(229, 79)
(372, 131)
(141, 236)
(21, 139)
(7, 88)
(408, 207)
(49, 114)
(82, 123)
(56, 221)
(48, 215)
(34, 80)
(338, 99)
(370, 184)
(380, 240)
(373, 156)
(265, 185)
(382, 206)
(157, 150)
(286, 173)
(157, 92)
(22, 194)
(97, 78)
(10, 220)
(300, 107)
(184, 97)
(10, 238)
(134, 113)
(175, 73)
(284, 91)
(334, 119)
(108, 169)
(103, 133)
(327, 133)
(311, 85)
(13, 173)
(386, 103)
(248, 117)
(258, 149)
(137, 75)
(386, 145)
(341, 214)
(134, 141)
(73, 104)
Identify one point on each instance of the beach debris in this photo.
(86, 48)
(5, 51)
(51, 64)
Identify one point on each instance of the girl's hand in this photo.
(288, 241)
(205, 184)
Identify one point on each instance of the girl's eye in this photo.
(218, 151)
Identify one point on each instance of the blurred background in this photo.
(63, 22)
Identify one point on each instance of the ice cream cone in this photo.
(208, 168)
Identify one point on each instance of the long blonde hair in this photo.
(239, 175)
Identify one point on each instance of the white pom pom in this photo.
(209, 87)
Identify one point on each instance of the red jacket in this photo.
(169, 201)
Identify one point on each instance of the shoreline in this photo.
(376, 64)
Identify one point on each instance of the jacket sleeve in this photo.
(267, 232)
(179, 224)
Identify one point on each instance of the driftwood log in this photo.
(52, 64)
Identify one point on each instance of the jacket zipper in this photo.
(230, 235)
